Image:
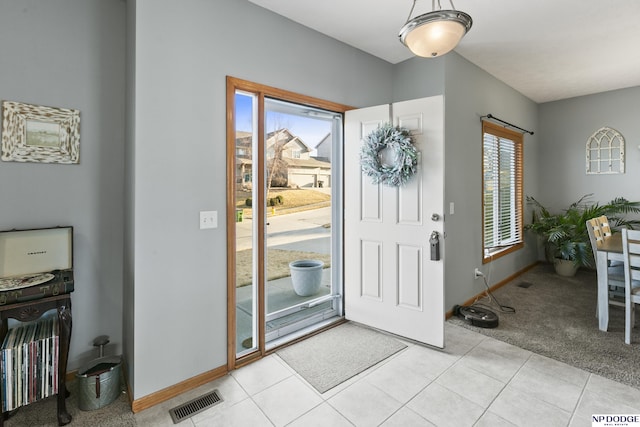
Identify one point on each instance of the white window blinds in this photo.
(502, 189)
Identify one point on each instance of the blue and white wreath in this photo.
(405, 156)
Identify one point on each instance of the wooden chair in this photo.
(631, 251)
(599, 230)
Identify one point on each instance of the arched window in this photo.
(605, 152)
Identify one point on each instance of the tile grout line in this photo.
(577, 405)
(261, 410)
(372, 369)
(296, 375)
(564, 381)
(486, 338)
(441, 374)
(503, 388)
(250, 396)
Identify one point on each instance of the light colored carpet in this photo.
(556, 317)
(332, 357)
(43, 413)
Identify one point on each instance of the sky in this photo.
(310, 130)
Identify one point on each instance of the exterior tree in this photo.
(276, 166)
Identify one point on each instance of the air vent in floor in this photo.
(194, 406)
(525, 284)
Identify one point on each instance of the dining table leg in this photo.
(603, 291)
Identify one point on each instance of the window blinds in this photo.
(502, 188)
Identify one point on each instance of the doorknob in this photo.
(435, 217)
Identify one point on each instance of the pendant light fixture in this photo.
(435, 33)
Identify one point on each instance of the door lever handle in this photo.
(434, 242)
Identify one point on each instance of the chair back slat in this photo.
(601, 230)
(635, 267)
(631, 258)
(604, 226)
(631, 252)
(592, 225)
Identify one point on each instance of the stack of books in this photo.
(29, 358)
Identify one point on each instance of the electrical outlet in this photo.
(477, 273)
(208, 219)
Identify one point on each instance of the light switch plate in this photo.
(208, 219)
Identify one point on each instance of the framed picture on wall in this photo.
(33, 133)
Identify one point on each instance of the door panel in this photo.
(390, 281)
(409, 277)
(370, 195)
(371, 270)
(410, 203)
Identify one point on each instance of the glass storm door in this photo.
(286, 269)
(302, 233)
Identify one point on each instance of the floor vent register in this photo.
(195, 406)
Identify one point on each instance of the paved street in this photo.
(302, 231)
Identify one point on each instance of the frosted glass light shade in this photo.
(435, 33)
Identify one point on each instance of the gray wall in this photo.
(128, 300)
(418, 78)
(184, 50)
(469, 93)
(70, 53)
(173, 301)
(564, 129)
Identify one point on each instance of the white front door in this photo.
(391, 283)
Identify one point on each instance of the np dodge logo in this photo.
(615, 420)
(36, 253)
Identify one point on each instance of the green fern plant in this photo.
(565, 234)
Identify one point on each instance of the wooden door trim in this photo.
(234, 84)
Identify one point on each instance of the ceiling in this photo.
(547, 50)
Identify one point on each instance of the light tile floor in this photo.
(475, 381)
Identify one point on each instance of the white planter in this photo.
(565, 267)
(306, 276)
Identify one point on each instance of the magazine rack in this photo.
(32, 310)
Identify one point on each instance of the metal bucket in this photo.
(99, 382)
